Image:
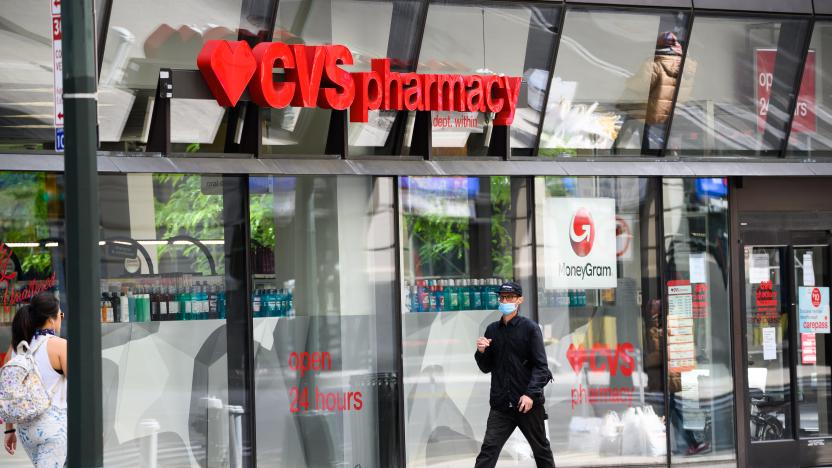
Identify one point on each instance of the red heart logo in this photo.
(227, 68)
(577, 357)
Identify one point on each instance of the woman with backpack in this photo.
(43, 437)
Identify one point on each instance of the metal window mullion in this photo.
(398, 310)
(423, 19)
(797, 88)
(101, 40)
(545, 104)
(672, 113)
(532, 213)
(663, 278)
(239, 320)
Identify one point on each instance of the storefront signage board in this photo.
(580, 243)
(813, 310)
(313, 77)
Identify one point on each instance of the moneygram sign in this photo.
(313, 76)
(579, 243)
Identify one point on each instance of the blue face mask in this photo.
(506, 308)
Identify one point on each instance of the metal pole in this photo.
(82, 221)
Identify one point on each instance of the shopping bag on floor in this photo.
(654, 433)
(632, 436)
(584, 434)
(611, 435)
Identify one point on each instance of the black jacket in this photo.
(517, 362)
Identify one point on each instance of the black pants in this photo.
(499, 428)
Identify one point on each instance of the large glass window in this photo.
(27, 99)
(325, 366)
(164, 336)
(813, 113)
(700, 380)
(461, 236)
(31, 253)
(366, 27)
(144, 36)
(600, 311)
(615, 78)
(737, 86)
(489, 38)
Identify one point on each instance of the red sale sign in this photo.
(804, 112)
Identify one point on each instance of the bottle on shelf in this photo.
(131, 305)
(106, 308)
(476, 295)
(255, 303)
(221, 303)
(212, 302)
(453, 295)
(465, 295)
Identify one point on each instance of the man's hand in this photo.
(525, 404)
(482, 343)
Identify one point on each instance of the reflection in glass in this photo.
(27, 98)
(31, 253)
(144, 36)
(812, 122)
(615, 77)
(366, 28)
(737, 82)
(700, 379)
(324, 260)
(814, 387)
(460, 237)
(164, 346)
(768, 340)
(602, 332)
(513, 39)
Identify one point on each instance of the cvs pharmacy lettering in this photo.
(313, 77)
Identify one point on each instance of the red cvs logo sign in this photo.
(313, 77)
(602, 357)
(582, 232)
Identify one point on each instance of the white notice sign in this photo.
(808, 269)
(759, 270)
(769, 344)
(696, 262)
(579, 243)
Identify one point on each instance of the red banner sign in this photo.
(804, 113)
(313, 77)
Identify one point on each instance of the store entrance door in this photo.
(788, 350)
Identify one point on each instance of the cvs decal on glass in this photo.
(580, 243)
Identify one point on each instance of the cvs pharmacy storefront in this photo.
(307, 207)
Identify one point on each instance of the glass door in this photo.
(767, 317)
(788, 353)
(810, 274)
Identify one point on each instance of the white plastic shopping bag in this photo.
(611, 435)
(632, 437)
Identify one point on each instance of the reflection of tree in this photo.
(187, 210)
(24, 199)
(446, 239)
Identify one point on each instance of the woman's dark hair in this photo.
(32, 316)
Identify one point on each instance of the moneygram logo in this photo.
(582, 232)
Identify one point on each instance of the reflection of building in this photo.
(282, 233)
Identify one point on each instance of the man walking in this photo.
(512, 351)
